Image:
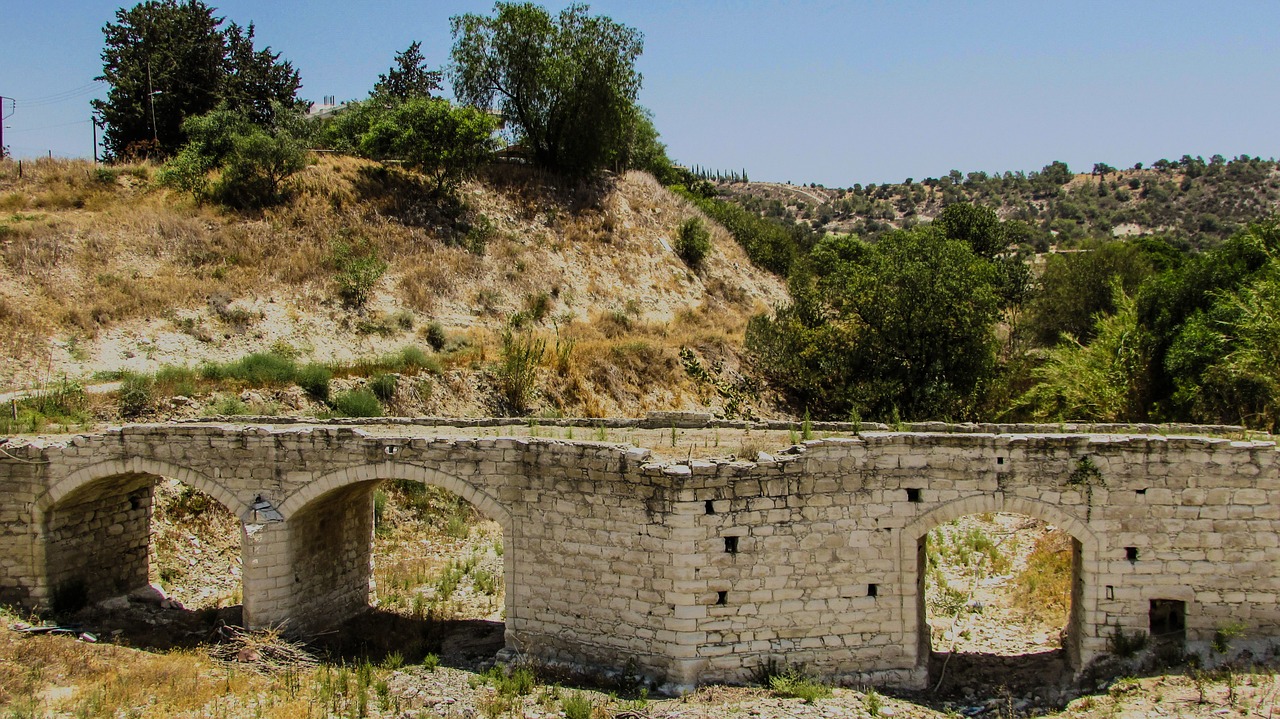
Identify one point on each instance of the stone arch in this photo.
(344, 586)
(395, 470)
(140, 465)
(102, 543)
(998, 502)
(1083, 601)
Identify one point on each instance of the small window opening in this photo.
(1168, 620)
(1139, 491)
(873, 590)
(1111, 592)
(1131, 554)
(711, 508)
(913, 494)
(999, 460)
(722, 598)
(731, 545)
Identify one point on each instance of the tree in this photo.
(442, 141)
(566, 84)
(257, 81)
(906, 325)
(251, 161)
(976, 225)
(167, 61)
(408, 78)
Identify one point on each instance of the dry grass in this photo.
(1044, 586)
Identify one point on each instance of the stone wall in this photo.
(691, 571)
(98, 539)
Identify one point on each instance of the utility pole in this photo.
(151, 97)
(3, 152)
(94, 121)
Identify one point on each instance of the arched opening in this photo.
(402, 566)
(999, 598)
(135, 550)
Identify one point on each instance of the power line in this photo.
(60, 95)
(50, 127)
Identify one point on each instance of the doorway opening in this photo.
(998, 603)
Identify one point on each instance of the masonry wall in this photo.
(330, 541)
(811, 533)
(611, 558)
(98, 540)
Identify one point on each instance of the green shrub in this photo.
(357, 403)
(693, 242)
(135, 395)
(228, 406)
(517, 369)
(264, 369)
(357, 270)
(314, 380)
(795, 684)
(384, 386)
(435, 336)
(578, 706)
(412, 358)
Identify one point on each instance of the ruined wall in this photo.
(693, 571)
(97, 541)
(330, 542)
(784, 555)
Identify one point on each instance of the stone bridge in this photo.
(693, 571)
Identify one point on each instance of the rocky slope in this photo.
(103, 271)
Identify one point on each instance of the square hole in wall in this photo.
(913, 494)
(1111, 592)
(722, 598)
(1140, 492)
(731, 545)
(873, 590)
(1131, 554)
(1167, 620)
(999, 460)
(711, 507)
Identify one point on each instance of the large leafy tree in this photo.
(408, 78)
(167, 61)
(903, 325)
(567, 84)
(432, 136)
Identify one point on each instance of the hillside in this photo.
(103, 272)
(1192, 200)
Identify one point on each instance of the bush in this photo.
(795, 684)
(412, 358)
(384, 386)
(263, 369)
(135, 395)
(253, 161)
(693, 242)
(314, 380)
(357, 271)
(578, 706)
(435, 336)
(358, 403)
(517, 370)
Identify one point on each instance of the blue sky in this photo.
(827, 92)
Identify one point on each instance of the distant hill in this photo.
(1197, 201)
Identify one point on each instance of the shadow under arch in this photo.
(330, 540)
(1087, 548)
(94, 528)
